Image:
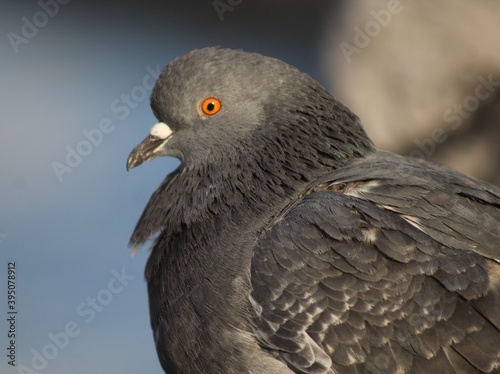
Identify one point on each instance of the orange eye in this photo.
(211, 106)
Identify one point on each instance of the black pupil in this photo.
(210, 106)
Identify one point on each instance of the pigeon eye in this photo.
(211, 106)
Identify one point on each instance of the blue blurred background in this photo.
(74, 94)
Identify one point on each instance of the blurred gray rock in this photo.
(424, 77)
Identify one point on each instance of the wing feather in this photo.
(383, 274)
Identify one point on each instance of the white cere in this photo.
(161, 130)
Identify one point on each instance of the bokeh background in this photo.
(80, 70)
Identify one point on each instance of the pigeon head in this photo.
(208, 99)
(214, 101)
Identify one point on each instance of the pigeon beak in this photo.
(148, 149)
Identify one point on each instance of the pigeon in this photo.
(285, 242)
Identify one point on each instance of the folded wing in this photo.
(387, 265)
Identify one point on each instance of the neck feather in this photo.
(262, 171)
